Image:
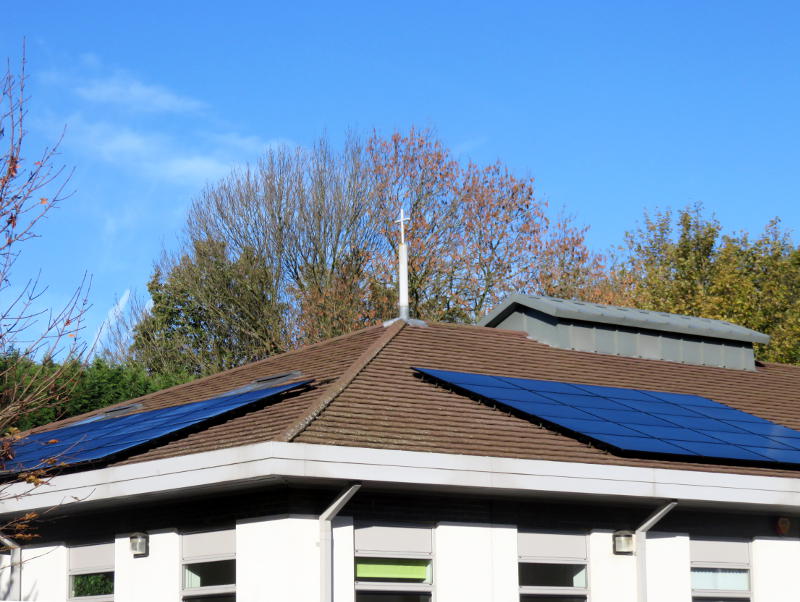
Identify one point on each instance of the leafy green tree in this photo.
(92, 386)
(683, 263)
(210, 312)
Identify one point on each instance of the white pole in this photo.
(402, 261)
(15, 586)
(326, 541)
(640, 548)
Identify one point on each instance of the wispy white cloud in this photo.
(253, 146)
(469, 145)
(112, 317)
(90, 60)
(194, 168)
(128, 92)
(151, 154)
(156, 147)
(189, 161)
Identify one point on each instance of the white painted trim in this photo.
(245, 464)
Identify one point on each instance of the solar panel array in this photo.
(634, 420)
(95, 440)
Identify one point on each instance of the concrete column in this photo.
(277, 558)
(612, 577)
(668, 567)
(475, 562)
(45, 573)
(773, 574)
(155, 577)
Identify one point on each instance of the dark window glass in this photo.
(391, 597)
(204, 574)
(552, 575)
(93, 584)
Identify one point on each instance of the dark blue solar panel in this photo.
(97, 439)
(633, 420)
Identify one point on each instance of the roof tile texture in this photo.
(367, 395)
(388, 406)
(325, 362)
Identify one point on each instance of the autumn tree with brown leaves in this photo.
(476, 234)
(319, 227)
(31, 186)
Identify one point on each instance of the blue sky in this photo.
(612, 106)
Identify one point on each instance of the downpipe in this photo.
(15, 586)
(326, 540)
(640, 548)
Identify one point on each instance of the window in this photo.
(91, 572)
(393, 563)
(552, 567)
(209, 566)
(720, 570)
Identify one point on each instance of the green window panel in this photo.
(392, 569)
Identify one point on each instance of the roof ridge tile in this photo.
(343, 381)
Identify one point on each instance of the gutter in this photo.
(326, 541)
(640, 536)
(271, 461)
(15, 584)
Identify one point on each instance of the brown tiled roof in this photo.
(387, 406)
(367, 395)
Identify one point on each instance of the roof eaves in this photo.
(343, 381)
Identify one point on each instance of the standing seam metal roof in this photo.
(626, 316)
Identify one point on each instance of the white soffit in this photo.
(246, 464)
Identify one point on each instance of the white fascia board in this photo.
(245, 464)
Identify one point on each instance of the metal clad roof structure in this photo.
(628, 331)
(627, 316)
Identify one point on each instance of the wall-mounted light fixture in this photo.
(624, 542)
(139, 544)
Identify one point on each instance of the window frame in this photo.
(400, 587)
(723, 594)
(90, 570)
(190, 594)
(543, 590)
(698, 595)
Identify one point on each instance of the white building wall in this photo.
(343, 563)
(774, 564)
(668, 568)
(475, 562)
(155, 577)
(5, 576)
(44, 573)
(277, 558)
(612, 577)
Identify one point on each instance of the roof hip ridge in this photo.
(341, 383)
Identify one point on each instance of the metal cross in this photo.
(403, 219)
